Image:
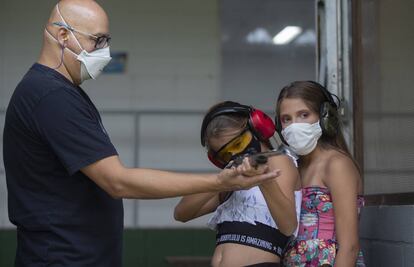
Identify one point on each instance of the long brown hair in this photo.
(314, 96)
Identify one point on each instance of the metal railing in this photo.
(137, 116)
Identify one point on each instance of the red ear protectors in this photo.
(261, 125)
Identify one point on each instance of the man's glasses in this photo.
(100, 41)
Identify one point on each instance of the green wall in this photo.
(7, 247)
(142, 247)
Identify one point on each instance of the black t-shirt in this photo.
(63, 218)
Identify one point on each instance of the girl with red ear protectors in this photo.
(252, 226)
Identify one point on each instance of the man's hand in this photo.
(245, 176)
(249, 168)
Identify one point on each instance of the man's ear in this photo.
(63, 36)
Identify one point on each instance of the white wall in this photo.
(254, 73)
(173, 50)
(174, 65)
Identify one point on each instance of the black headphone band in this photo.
(228, 107)
(328, 95)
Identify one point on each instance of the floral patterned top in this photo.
(316, 244)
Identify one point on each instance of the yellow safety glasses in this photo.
(235, 146)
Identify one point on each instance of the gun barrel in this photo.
(256, 159)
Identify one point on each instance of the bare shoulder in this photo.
(288, 179)
(341, 168)
(339, 162)
(289, 172)
(281, 162)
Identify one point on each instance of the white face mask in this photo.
(302, 138)
(92, 63)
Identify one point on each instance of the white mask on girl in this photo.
(302, 138)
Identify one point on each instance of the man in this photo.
(65, 181)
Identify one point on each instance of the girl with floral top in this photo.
(308, 121)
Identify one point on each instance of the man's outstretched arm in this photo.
(122, 182)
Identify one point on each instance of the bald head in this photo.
(85, 15)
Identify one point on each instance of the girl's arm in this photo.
(342, 180)
(279, 194)
(194, 206)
